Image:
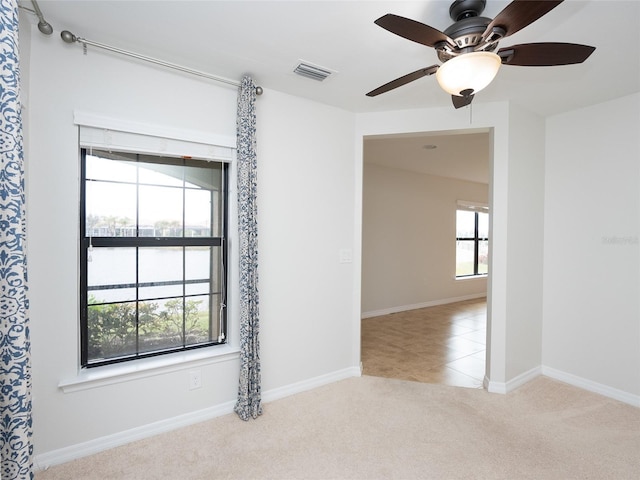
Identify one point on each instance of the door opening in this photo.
(422, 321)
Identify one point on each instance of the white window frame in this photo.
(105, 133)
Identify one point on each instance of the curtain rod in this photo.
(44, 26)
(69, 37)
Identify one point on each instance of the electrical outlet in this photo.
(195, 379)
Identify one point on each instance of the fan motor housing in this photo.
(460, 9)
(468, 31)
(467, 34)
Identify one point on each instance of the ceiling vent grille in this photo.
(312, 71)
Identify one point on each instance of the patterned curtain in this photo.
(249, 395)
(15, 359)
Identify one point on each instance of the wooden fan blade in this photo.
(520, 13)
(546, 54)
(398, 82)
(459, 102)
(412, 30)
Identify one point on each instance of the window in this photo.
(153, 251)
(472, 241)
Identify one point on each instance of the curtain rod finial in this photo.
(45, 27)
(67, 36)
(259, 91)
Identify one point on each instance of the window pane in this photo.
(161, 174)
(198, 262)
(218, 206)
(110, 209)
(111, 266)
(111, 331)
(198, 319)
(204, 263)
(197, 288)
(146, 300)
(483, 225)
(197, 213)
(159, 264)
(483, 257)
(465, 224)
(98, 168)
(110, 295)
(161, 208)
(161, 324)
(206, 178)
(464, 257)
(160, 292)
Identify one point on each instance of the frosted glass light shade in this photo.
(473, 71)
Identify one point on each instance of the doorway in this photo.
(418, 321)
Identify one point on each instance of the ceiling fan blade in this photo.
(546, 54)
(398, 82)
(460, 102)
(412, 30)
(520, 13)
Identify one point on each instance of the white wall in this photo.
(592, 272)
(408, 240)
(525, 246)
(306, 215)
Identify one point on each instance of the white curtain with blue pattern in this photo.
(249, 395)
(15, 360)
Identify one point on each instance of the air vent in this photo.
(312, 71)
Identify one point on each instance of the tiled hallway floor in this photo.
(442, 344)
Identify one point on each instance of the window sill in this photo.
(125, 372)
(471, 277)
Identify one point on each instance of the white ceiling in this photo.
(267, 39)
(463, 155)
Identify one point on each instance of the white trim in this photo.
(91, 447)
(121, 141)
(516, 382)
(415, 306)
(116, 124)
(128, 136)
(467, 278)
(568, 378)
(74, 452)
(592, 386)
(89, 378)
(309, 384)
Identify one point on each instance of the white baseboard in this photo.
(309, 384)
(592, 386)
(511, 385)
(583, 383)
(415, 306)
(73, 452)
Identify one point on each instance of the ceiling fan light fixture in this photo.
(469, 71)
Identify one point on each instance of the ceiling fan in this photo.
(467, 49)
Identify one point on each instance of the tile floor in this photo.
(442, 344)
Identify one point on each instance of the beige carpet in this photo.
(376, 428)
